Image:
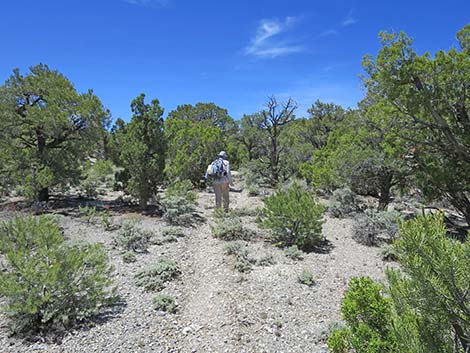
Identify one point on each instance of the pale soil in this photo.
(219, 309)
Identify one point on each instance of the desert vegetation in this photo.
(348, 228)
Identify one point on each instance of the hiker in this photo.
(219, 171)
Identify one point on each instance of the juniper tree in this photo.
(429, 98)
(143, 149)
(195, 136)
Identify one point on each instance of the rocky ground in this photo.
(219, 309)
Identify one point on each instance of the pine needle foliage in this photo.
(48, 283)
(424, 307)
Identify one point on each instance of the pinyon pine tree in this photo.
(50, 130)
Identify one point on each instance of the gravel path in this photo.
(220, 310)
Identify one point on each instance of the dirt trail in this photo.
(209, 307)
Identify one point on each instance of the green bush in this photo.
(235, 248)
(164, 303)
(99, 175)
(88, 214)
(180, 203)
(389, 253)
(242, 264)
(266, 260)
(243, 261)
(307, 277)
(128, 257)
(106, 220)
(133, 238)
(293, 252)
(344, 203)
(231, 228)
(48, 283)
(375, 227)
(220, 213)
(294, 217)
(173, 232)
(154, 278)
(368, 315)
(422, 309)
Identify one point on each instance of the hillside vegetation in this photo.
(109, 240)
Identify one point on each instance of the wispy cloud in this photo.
(266, 42)
(349, 20)
(148, 3)
(329, 32)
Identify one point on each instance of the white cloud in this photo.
(349, 20)
(266, 43)
(148, 3)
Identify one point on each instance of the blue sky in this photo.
(233, 53)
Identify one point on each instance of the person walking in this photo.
(219, 170)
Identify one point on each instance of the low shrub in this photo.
(294, 217)
(164, 303)
(389, 253)
(88, 214)
(254, 190)
(367, 313)
(243, 262)
(179, 203)
(344, 203)
(231, 228)
(220, 213)
(133, 238)
(47, 282)
(154, 278)
(173, 231)
(373, 228)
(129, 257)
(98, 176)
(422, 308)
(307, 277)
(266, 260)
(235, 248)
(294, 253)
(242, 265)
(106, 220)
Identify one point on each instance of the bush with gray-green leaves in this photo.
(180, 203)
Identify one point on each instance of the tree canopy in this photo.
(50, 130)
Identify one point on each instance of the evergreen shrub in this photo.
(295, 218)
(47, 282)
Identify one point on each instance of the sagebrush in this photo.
(133, 238)
(153, 278)
(179, 203)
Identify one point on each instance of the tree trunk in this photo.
(384, 196)
(43, 194)
(274, 159)
(461, 202)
